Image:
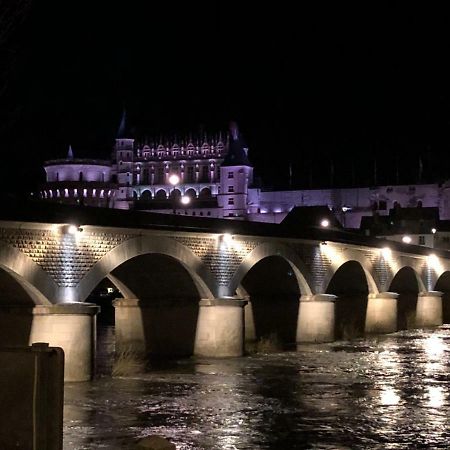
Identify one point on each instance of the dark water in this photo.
(390, 392)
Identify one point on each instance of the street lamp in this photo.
(185, 199)
(174, 179)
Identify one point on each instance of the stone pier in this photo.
(429, 309)
(71, 326)
(220, 328)
(381, 315)
(316, 318)
(129, 326)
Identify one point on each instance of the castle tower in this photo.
(236, 174)
(124, 155)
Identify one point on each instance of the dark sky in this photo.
(329, 90)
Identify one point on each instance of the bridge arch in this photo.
(269, 249)
(34, 280)
(338, 257)
(17, 291)
(272, 278)
(142, 245)
(351, 283)
(407, 283)
(443, 285)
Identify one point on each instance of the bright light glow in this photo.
(434, 346)
(325, 223)
(389, 397)
(406, 239)
(174, 179)
(72, 229)
(185, 199)
(386, 252)
(435, 263)
(432, 259)
(227, 238)
(435, 396)
(346, 208)
(433, 230)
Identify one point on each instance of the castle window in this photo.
(231, 201)
(382, 205)
(190, 174)
(204, 173)
(80, 176)
(421, 240)
(230, 174)
(230, 188)
(57, 176)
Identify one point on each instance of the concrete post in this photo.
(71, 326)
(129, 326)
(381, 315)
(429, 309)
(220, 328)
(316, 318)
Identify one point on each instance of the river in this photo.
(385, 392)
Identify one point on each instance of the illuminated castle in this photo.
(213, 177)
(206, 178)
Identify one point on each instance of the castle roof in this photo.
(237, 149)
(123, 132)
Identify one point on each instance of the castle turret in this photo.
(236, 174)
(78, 181)
(124, 155)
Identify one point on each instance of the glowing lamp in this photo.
(71, 229)
(386, 252)
(174, 179)
(433, 230)
(227, 238)
(325, 223)
(185, 200)
(406, 239)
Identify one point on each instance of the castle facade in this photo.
(213, 177)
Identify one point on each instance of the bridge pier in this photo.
(316, 318)
(381, 315)
(220, 328)
(129, 326)
(429, 309)
(71, 326)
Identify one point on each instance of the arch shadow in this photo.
(350, 283)
(443, 285)
(273, 294)
(17, 299)
(168, 303)
(407, 284)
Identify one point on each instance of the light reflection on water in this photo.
(389, 392)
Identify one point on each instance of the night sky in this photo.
(329, 90)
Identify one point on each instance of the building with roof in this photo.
(213, 177)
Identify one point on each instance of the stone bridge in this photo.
(203, 286)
